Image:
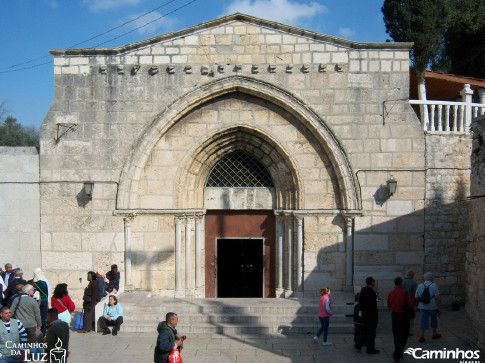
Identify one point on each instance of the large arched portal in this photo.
(216, 226)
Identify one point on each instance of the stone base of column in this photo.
(280, 293)
(289, 293)
(199, 292)
(179, 294)
(190, 293)
(349, 288)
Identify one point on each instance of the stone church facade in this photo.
(244, 150)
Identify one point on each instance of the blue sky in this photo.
(31, 27)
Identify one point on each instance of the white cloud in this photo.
(53, 3)
(99, 5)
(154, 23)
(284, 11)
(346, 32)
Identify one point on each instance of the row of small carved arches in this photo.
(222, 68)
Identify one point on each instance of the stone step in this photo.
(235, 318)
(251, 316)
(235, 329)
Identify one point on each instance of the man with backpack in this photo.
(427, 294)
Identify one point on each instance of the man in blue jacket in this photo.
(167, 338)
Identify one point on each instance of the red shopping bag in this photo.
(175, 356)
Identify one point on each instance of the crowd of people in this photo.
(402, 300)
(33, 317)
(31, 313)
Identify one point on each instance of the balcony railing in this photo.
(444, 116)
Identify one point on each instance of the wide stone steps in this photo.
(143, 312)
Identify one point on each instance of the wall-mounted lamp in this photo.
(88, 189)
(391, 186)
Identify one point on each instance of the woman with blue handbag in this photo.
(90, 299)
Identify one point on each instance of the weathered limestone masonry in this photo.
(475, 254)
(146, 122)
(20, 208)
(447, 211)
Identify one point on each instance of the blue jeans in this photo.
(324, 322)
(425, 314)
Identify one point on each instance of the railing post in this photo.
(481, 94)
(466, 94)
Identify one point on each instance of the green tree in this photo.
(14, 134)
(422, 22)
(464, 40)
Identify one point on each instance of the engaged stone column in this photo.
(289, 256)
(349, 273)
(299, 257)
(128, 282)
(280, 248)
(178, 257)
(198, 253)
(189, 287)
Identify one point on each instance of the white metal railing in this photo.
(445, 116)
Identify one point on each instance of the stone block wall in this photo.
(447, 211)
(20, 208)
(79, 234)
(475, 254)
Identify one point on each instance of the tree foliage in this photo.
(464, 40)
(420, 21)
(13, 133)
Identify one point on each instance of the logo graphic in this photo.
(462, 355)
(58, 354)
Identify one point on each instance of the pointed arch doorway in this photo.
(240, 244)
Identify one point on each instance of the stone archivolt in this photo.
(131, 174)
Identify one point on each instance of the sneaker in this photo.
(115, 331)
(315, 340)
(326, 344)
(106, 331)
(421, 339)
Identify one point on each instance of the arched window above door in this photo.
(239, 170)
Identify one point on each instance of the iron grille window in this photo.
(239, 169)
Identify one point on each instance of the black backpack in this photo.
(425, 297)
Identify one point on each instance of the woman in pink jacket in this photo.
(324, 314)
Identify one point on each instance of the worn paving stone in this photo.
(133, 347)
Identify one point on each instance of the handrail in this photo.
(447, 116)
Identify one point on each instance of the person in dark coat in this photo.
(12, 286)
(167, 338)
(114, 279)
(8, 274)
(57, 330)
(368, 305)
(90, 299)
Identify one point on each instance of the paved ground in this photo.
(132, 347)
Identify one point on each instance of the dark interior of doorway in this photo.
(239, 267)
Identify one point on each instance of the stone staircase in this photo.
(230, 316)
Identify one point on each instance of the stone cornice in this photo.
(224, 20)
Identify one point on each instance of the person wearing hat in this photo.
(114, 279)
(42, 286)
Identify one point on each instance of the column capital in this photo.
(128, 219)
(349, 218)
(180, 219)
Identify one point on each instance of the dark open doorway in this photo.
(240, 267)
